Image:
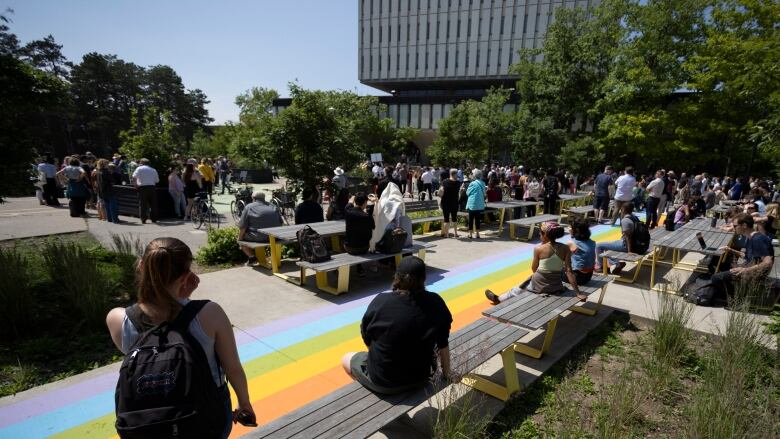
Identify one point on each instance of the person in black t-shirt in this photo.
(449, 202)
(405, 331)
(359, 225)
(309, 211)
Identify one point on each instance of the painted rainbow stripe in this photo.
(289, 362)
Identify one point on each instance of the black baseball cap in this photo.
(411, 265)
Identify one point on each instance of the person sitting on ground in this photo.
(583, 251)
(256, 215)
(165, 284)
(625, 244)
(336, 209)
(758, 254)
(309, 211)
(552, 260)
(405, 331)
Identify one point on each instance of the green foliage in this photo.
(84, 284)
(221, 247)
(773, 325)
(150, 136)
(16, 299)
(127, 252)
(670, 334)
(474, 131)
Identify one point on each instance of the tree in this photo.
(317, 132)
(474, 131)
(47, 55)
(150, 136)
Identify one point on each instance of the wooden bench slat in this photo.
(531, 220)
(536, 303)
(552, 307)
(509, 307)
(342, 259)
(483, 350)
(252, 244)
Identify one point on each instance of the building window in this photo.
(468, 29)
(407, 61)
(427, 30)
(503, 19)
(380, 10)
(407, 32)
(371, 2)
(477, 63)
(380, 62)
(448, 29)
(371, 62)
(536, 24)
(416, 61)
(371, 34)
(380, 34)
(487, 61)
(479, 29)
(436, 60)
(397, 62)
(426, 60)
(458, 27)
(398, 33)
(389, 33)
(467, 58)
(446, 60)
(525, 25)
(437, 29)
(499, 58)
(388, 61)
(417, 35)
(490, 28)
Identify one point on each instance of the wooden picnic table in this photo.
(531, 223)
(684, 240)
(730, 202)
(285, 234)
(563, 198)
(501, 206)
(719, 210)
(703, 224)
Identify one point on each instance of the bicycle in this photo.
(243, 197)
(285, 203)
(203, 211)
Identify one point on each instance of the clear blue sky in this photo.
(223, 47)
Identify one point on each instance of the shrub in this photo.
(670, 334)
(86, 287)
(221, 247)
(128, 251)
(16, 299)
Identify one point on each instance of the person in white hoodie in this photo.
(390, 212)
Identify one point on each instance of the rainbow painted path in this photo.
(289, 362)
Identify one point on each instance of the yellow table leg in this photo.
(421, 254)
(495, 390)
(531, 232)
(511, 231)
(276, 255)
(262, 258)
(335, 242)
(548, 338)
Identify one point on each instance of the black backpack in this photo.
(701, 293)
(392, 241)
(669, 221)
(312, 245)
(165, 386)
(640, 239)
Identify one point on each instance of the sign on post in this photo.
(376, 157)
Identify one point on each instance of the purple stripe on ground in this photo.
(56, 399)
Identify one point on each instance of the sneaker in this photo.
(250, 262)
(618, 268)
(491, 296)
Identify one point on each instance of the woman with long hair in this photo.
(192, 185)
(165, 284)
(552, 261)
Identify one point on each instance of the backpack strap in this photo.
(188, 313)
(135, 315)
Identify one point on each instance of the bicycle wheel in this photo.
(278, 205)
(288, 213)
(197, 215)
(236, 207)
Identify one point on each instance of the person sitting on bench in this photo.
(552, 260)
(583, 251)
(625, 244)
(257, 215)
(405, 331)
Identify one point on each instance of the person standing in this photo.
(552, 187)
(49, 172)
(104, 185)
(207, 172)
(176, 189)
(655, 189)
(427, 182)
(145, 179)
(624, 192)
(601, 193)
(77, 189)
(475, 204)
(192, 185)
(449, 203)
(224, 172)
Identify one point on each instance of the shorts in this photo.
(450, 215)
(358, 367)
(601, 202)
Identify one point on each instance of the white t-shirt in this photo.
(656, 188)
(624, 187)
(145, 176)
(427, 177)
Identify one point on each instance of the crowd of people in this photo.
(88, 183)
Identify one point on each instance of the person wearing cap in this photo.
(339, 179)
(259, 214)
(551, 262)
(406, 331)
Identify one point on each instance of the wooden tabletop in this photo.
(571, 197)
(288, 233)
(687, 241)
(702, 224)
(531, 220)
(510, 203)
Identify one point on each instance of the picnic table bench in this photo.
(355, 412)
(423, 206)
(533, 311)
(502, 206)
(719, 210)
(342, 261)
(279, 235)
(574, 198)
(531, 223)
(577, 211)
(259, 249)
(657, 235)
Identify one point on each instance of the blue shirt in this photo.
(758, 247)
(476, 194)
(736, 191)
(585, 255)
(601, 184)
